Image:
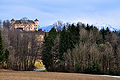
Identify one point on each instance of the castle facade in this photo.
(25, 25)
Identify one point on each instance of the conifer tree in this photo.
(63, 43)
(107, 30)
(68, 39)
(1, 49)
(49, 43)
(6, 54)
(103, 33)
(87, 27)
(71, 36)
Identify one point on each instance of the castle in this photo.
(25, 25)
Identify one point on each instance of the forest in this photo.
(73, 48)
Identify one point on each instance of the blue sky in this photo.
(97, 12)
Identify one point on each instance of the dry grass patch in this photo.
(32, 75)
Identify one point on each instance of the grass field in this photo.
(32, 75)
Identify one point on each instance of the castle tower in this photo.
(36, 24)
(36, 21)
(12, 23)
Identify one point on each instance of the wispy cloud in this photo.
(48, 11)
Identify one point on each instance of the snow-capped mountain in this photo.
(48, 28)
(110, 27)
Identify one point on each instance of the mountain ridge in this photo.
(49, 27)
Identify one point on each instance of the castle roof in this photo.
(36, 19)
(24, 22)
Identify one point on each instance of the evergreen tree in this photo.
(83, 26)
(68, 39)
(71, 36)
(49, 43)
(63, 43)
(107, 30)
(6, 55)
(1, 49)
(103, 33)
(77, 34)
(87, 27)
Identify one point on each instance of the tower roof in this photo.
(36, 20)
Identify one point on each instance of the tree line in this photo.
(82, 48)
(76, 48)
(4, 52)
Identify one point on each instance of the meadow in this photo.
(32, 75)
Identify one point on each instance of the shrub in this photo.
(93, 68)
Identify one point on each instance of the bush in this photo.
(78, 68)
(94, 68)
